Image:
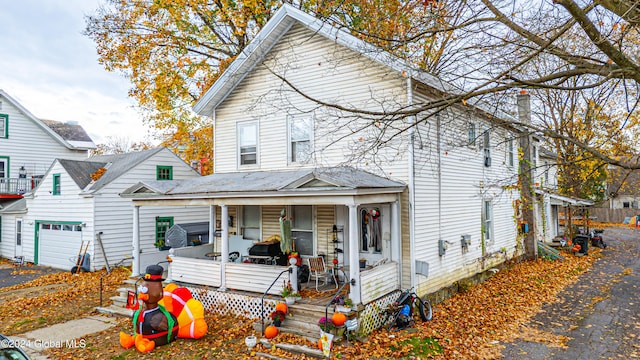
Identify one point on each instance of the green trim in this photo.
(164, 172)
(161, 232)
(6, 171)
(5, 118)
(36, 235)
(56, 185)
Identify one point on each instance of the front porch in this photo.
(340, 214)
(377, 288)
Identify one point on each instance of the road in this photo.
(600, 313)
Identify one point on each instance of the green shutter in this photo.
(56, 184)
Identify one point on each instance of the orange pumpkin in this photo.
(339, 319)
(320, 344)
(282, 307)
(270, 332)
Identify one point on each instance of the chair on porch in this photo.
(318, 271)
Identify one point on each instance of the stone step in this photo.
(115, 311)
(309, 310)
(120, 301)
(296, 349)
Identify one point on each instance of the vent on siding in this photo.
(422, 268)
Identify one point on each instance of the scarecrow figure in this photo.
(375, 240)
(286, 244)
(153, 324)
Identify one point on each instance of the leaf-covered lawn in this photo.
(470, 325)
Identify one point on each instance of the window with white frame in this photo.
(487, 221)
(300, 132)
(471, 129)
(486, 145)
(4, 126)
(302, 229)
(18, 232)
(511, 155)
(247, 143)
(250, 222)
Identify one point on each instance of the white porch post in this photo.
(354, 268)
(135, 266)
(224, 253)
(212, 225)
(396, 244)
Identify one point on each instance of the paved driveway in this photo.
(600, 312)
(11, 275)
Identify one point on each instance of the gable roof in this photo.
(68, 143)
(119, 164)
(80, 170)
(269, 183)
(71, 132)
(275, 28)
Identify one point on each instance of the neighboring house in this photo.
(28, 146)
(549, 204)
(445, 190)
(78, 201)
(623, 187)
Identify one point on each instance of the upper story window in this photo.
(471, 130)
(511, 154)
(4, 126)
(486, 145)
(534, 157)
(247, 143)
(300, 134)
(57, 187)
(164, 172)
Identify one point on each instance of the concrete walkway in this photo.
(68, 334)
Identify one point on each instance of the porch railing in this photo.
(17, 186)
(378, 281)
(288, 270)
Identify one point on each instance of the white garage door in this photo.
(57, 243)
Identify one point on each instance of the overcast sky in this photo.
(49, 67)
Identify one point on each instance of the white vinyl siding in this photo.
(29, 145)
(464, 182)
(262, 97)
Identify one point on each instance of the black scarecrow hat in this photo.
(154, 273)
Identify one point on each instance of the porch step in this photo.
(115, 311)
(296, 349)
(120, 301)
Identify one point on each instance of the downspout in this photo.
(439, 150)
(412, 199)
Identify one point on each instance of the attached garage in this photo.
(58, 244)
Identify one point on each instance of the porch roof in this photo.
(557, 199)
(290, 184)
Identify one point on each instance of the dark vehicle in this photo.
(597, 239)
(9, 351)
(400, 314)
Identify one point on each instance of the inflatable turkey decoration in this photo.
(167, 313)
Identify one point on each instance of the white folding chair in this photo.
(318, 271)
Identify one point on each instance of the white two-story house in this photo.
(28, 146)
(337, 133)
